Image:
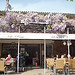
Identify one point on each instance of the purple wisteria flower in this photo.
(57, 22)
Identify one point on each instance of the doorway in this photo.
(33, 51)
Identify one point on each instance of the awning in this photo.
(37, 36)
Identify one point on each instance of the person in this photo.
(62, 56)
(0, 59)
(8, 60)
(56, 57)
(69, 57)
(52, 56)
(21, 61)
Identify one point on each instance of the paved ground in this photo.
(31, 71)
(35, 71)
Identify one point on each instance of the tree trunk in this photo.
(7, 2)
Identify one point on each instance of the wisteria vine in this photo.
(55, 23)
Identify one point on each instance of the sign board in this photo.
(37, 36)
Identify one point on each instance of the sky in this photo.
(55, 6)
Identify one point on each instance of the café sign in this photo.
(37, 36)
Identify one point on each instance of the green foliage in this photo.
(71, 0)
(68, 0)
(49, 26)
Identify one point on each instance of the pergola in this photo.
(55, 23)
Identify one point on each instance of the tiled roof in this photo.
(68, 14)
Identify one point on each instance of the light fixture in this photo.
(64, 43)
(68, 42)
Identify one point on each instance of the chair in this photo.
(71, 65)
(28, 74)
(74, 58)
(50, 62)
(2, 68)
(59, 65)
(63, 59)
(3, 59)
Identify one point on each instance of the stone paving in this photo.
(31, 71)
(35, 71)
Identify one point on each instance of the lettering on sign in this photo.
(15, 36)
(62, 36)
(10, 36)
(59, 36)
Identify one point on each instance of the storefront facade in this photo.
(9, 44)
(27, 47)
(43, 27)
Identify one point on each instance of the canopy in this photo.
(37, 36)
